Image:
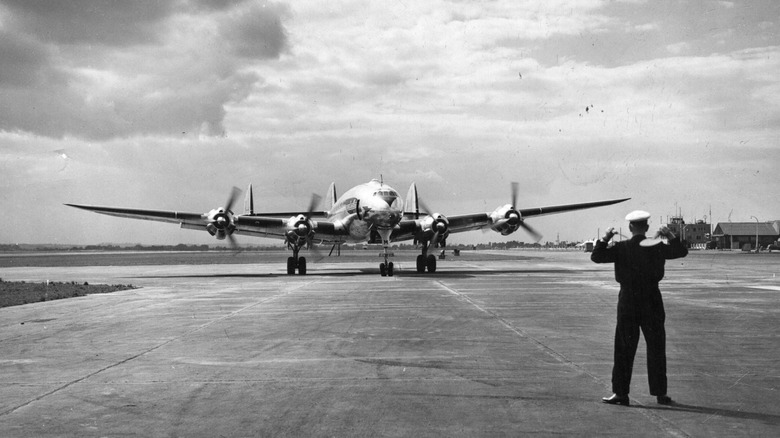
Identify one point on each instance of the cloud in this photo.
(25, 62)
(112, 23)
(101, 70)
(255, 31)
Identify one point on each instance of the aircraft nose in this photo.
(382, 214)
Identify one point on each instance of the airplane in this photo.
(367, 213)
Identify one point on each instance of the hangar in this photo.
(743, 235)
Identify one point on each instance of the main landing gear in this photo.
(426, 261)
(296, 262)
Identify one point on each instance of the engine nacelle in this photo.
(300, 230)
(434, 228)
(221, 223)
(506, 220)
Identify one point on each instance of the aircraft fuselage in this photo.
(366, 208)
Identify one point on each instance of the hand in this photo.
(664, 231)
(608, 235)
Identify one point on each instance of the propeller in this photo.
(535, 234)
(439, 225)
(300, 228)
(313, 204)
(235, 192)
(514, 216)
(221, 222)
(303, 226)
(315, 201)
(507, 219)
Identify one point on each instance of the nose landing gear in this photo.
(386, 268)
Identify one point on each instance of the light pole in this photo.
(756, 233)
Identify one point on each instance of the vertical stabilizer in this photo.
(412, 204)
(330, 197)
(249, 201)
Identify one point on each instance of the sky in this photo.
(168, 104)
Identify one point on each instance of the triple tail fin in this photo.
(249, 201)
(330, 197)
(412, 204)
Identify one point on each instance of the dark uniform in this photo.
(639, 269)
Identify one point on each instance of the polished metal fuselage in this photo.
(366, 208)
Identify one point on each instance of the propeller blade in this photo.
(317, 255)
(435, 239)
(233, 244)
(535, 234)
(515, 189)
(315, 201)
(425, 208)
(234, 194)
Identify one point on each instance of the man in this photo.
(639, 267)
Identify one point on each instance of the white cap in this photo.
(638, 216)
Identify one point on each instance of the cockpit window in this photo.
(389, 196)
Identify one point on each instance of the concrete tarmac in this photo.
(520, 345)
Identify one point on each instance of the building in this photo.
(742, 235)
(696, 235)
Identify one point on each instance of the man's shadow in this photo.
(745, 415)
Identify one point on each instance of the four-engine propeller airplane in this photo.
(372, 213)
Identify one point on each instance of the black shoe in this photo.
(664, 400)
(616, 400)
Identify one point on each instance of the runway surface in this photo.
(503, 344)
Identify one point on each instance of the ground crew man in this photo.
(639, 267)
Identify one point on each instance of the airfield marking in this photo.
(287, 291)
(518, 331)
(663, 423)
(777, 288)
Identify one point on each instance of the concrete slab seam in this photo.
(149, 350)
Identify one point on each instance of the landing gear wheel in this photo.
(382, 270)
(421, 264)
(431, 263)
(290, 265)
(302, 266)
(390, 269)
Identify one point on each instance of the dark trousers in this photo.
(645, 311)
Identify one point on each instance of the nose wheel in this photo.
(386, 270)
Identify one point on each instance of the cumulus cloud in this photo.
(101, 70)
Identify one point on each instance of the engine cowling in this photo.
(434, 228)
(221, 223)
(300, 230)
(506, 220)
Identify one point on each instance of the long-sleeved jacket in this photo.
(636, 265)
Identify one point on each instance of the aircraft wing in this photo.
(469, 222)
(272, 225)
(175, 217)
(553, 209)
(276, 227)
(497, 220)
